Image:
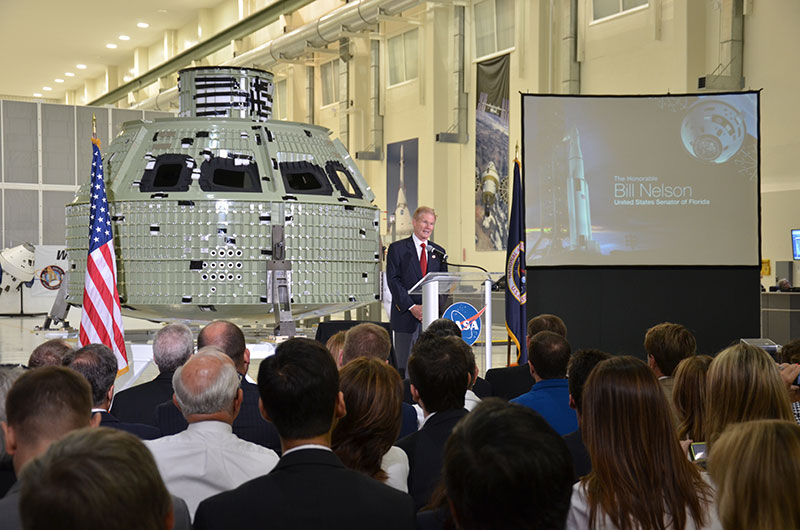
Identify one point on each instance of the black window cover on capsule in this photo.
(305, 178)
(169, 173)
(224, 174)
(336, 171)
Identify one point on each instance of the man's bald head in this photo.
(228, 337)
(207, 384)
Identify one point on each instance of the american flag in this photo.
(101, 319)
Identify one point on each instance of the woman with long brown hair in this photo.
(364, 438)
(743, 384)
(640, 478)
(689, 397)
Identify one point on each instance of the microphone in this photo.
(432, 249)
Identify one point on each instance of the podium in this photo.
(436, 287)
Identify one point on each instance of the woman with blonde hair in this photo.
(364, 438)
(335, 345)
(756, 468)
(743, 384)
(689, 396)
(640, 478)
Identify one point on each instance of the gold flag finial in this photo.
(94, 125)
(516, 151)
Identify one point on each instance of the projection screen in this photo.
(641, 180)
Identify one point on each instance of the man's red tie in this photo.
(423, 260)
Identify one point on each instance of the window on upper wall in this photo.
(607, 8)
(403, 57)
(280, 105)
(330, 82)
(494, 26)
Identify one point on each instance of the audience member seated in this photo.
(438, 372)
(335, 345)
(8, 374)
(97, 363)
(743, 384)
(310, 487)
(172, 346)
(689, 397)
(363, 438)
(505, 467)
(513, 381)
(366, 340)
(444, 327)
(372, 341)
(207, 458)
(96, 478)
(756, 469)
(42, 406)
(49, 353)
(790, 354)
(640, 476)
(548, 356)
(580, 367)
(666, 345)
(248, 425)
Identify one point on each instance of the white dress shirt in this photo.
(206, 459)
(395, 464)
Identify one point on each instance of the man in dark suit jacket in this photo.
(97, 363)
(249, 424)
(512, 381)
(407, 261)
(439, 379)
(172, 346)
(310, 487)
(580, 367)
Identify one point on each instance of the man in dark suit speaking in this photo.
(407, 262)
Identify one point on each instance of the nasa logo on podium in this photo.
(468, 320)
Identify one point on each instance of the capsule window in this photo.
(305, 178)
(168, 173)
(229, 174)
(343, 180)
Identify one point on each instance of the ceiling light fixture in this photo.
(59, 80)
(80, 66)
(124, 37)
(143, 25)
(111, 46)
(69, 74)
(127, 78)
(37, 95)
(46, 88)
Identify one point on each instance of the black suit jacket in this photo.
(138, 404)
(510, 382)
(308, 489)
(402, 272)
(145, 432)
(425, 450)
(249, 424)
(580, 456)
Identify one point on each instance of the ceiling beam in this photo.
(245, 27)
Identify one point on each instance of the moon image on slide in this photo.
(713, 131)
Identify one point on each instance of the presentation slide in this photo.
(641, 180)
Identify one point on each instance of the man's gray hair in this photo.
(217, 396)
(172, 346)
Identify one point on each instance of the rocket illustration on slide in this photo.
(402, 215)
(580, 217)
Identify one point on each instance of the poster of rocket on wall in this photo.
(491, 154)
(401, 188)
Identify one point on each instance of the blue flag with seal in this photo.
(516, 318)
